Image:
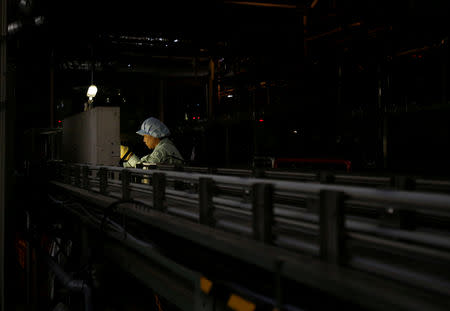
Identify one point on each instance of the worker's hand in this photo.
(125, 153)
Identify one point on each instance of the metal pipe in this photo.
(422, 201)
(423, 238)
(234, 227)
(231, 203)
(297, 245)
(291, 175)
(415, 278)
(69, 283)
(297, 224)
(233, 171)
(183, 213)
(430, 253)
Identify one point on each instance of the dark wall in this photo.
(356, 75)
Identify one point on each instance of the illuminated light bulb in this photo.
(91, 92)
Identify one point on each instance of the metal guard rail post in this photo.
(333, 223)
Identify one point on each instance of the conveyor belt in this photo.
(344, 240)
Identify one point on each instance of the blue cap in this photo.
(154, 127)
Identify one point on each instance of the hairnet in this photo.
(154, 127)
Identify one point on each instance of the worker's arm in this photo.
(127, 157)
(155, 157)
(132, 161)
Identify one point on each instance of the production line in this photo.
(224, 155)
(344, 241)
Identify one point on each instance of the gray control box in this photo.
(93, 137)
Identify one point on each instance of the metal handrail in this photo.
(293, 217)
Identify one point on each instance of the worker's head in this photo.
(150, 141)
(153, 130)
(154, 127)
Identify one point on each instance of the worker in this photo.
(156, 137)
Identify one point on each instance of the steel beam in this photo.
(3, 167)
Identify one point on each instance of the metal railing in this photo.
(395, 234)
(388, 181)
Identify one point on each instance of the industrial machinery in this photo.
(97, 236)
(93, 136)
(203, 241)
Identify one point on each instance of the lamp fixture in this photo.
(91, 92)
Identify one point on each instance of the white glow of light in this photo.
(92, 91)
(176, 40)
(229, 96)
(39, 20)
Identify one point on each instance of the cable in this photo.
(110, 209)
(58, 201)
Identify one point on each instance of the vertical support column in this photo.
(262, 212)
(205, 201)
(3, 63)
(103, 177)
(125, 185)
(254, 125)
(382, 105)
(52, 90)
(331, 226)
(211, 89)
(159, 190)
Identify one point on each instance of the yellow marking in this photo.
(158, 303)
(238, 303)
(205, 285)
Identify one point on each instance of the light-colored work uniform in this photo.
(164, 153)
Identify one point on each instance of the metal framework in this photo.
(376, 248)
(3, 136)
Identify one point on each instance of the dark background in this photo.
(365, 81)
